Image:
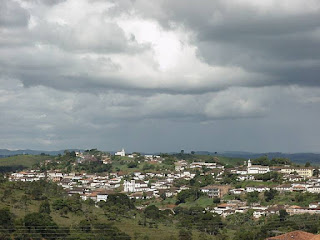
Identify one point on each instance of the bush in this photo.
(152, 212)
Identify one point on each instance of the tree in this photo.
(216, 200)
(283, 214)
(89, 202)
(45, 207)
(308, 164)
(147, 166)
(269, 195)
(253, 197)
(6, 219)
(263, 160)
(245, 234)
(116, 205)
(192, 194)
(85, 226)
(163, 196)
(36, 193)
(72, 204)
(41, 224)
(152, 212)
(25, 201)
(209, 223)
(132, 164)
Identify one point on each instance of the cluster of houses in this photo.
(250, 170)
(311, 186)
(237, 206)
(147, 185)
(93, 186)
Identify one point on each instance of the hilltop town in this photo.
(234, 189)
(168, 196)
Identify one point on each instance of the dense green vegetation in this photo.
(273, 162)
(43, 210)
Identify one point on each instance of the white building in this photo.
(102, 197)
(257, 189)
(122, 153)
(314, 189)
(211, 191)
(204, 164)
(257, 169)
(303, 172)
(135, 186)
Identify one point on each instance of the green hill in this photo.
(25, 161)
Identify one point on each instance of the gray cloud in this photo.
(248, 44)
(280, 40)
(93, 49)
(12, 15)
(45, 2)
(164, 75)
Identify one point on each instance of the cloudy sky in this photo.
(160, 75)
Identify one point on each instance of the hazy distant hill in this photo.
(7, 153)
(295, 157)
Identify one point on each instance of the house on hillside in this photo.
(303, 172)
(211, 191)
(257, 189)
(284, 188)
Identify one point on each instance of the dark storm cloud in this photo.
(270, 44)
(159, 74)
(277, 42)
(12, 15)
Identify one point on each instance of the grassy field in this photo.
(130, 226)
(203, 202)
(161, 232)
(26, 161)
(124, 167)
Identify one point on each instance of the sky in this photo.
(160, 76)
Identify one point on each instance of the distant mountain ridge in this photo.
(295, 157)
(8, 153)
